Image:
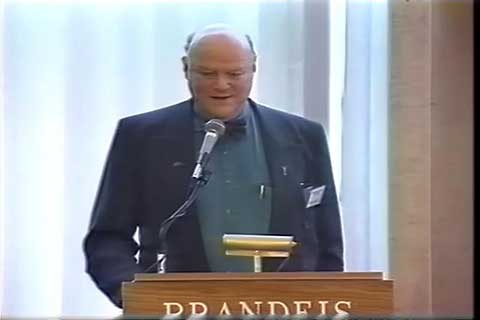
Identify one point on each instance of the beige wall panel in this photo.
(410, 246)
(431, 156)
(452, 158)
(410, 53)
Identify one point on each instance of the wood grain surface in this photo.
(260, 294)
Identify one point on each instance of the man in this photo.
(270, 176)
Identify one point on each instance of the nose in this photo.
(222, 82)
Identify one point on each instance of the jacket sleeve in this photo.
(109, 246)
(328, 220)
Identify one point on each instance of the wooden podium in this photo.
(282, 293)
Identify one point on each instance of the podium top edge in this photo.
(228, 276)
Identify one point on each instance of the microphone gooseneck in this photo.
(214, 129)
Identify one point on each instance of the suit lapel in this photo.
(284, 154)
(174, 142)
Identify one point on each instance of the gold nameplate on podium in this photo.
(257, 247)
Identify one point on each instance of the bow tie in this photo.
(235, 127)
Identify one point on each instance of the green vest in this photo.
(237, 198)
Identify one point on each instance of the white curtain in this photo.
(364, 134)
(70, 71)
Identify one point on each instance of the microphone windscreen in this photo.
(215, 125)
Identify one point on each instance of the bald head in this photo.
(218, 31)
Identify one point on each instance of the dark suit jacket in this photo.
(145, 180)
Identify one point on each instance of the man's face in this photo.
(220, 73)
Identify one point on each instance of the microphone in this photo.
(214, 129)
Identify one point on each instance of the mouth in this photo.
(220, 98)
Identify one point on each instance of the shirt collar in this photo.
(199, 121)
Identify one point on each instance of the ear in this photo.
(185, 65)
(254, 63)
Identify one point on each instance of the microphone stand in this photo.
(194, 189)
(213, 130)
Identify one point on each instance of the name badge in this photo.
(314, 196)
